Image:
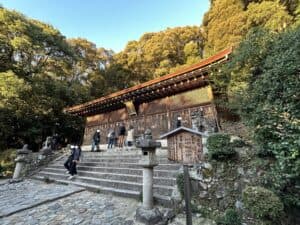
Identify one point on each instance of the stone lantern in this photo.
(148, 161)
(147, 214)
(21, 160)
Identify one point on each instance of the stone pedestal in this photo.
(149, 216)
(148, 188)
(21, 160)
(146, 214)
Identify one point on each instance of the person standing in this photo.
(111, 138)
(96, 141)
(122, 131)
(178, 122)
(75, 160)
(130, 136)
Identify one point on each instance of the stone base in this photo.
(150, 216)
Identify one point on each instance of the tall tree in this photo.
(228, 21)
(224, 25)
(155, 54)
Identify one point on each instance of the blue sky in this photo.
(111, 23)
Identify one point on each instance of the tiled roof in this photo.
(85, 108)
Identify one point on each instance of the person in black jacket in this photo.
(96, 141)
(75, 160)
(68, 162)
(122, 132)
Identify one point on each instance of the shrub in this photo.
(1, 170)
(7, 162)
(231, 217)
(262, 203)
(238, 143)
(219, 147)
(180, 183)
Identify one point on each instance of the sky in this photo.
(111, 23)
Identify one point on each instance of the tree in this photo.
(155, 54)
(271, 15)
(228, 21)
(269, 102)
(34, 81)
(224, 25)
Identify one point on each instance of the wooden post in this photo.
(187, 195)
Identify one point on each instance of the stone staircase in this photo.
(117, 172)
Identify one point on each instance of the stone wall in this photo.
(217, 186)
(35, 162)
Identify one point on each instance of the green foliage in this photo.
(269, 14)
(238, 143)
(180, 183)
(262, 203)
(231, 217)
(155, 54)
(7, 162)
(219, 147)
(228, 21)
(204, 211)
(224, 25)
(262, 82)
(36, 82)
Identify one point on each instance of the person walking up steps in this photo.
(68, 162)
(75, 160)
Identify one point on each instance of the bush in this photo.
(262, 203)
(231, 217)
(180, 183)
(1, 170)
(238, 143)
(219, 147)
(7, 162)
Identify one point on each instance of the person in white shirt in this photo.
(130, 136)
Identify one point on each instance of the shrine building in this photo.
(157, 104)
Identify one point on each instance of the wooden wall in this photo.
(159, 115)
(185, 147)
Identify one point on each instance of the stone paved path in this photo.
(27, 194)
(36, 203)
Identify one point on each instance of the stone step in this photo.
(114, 176)
(136, 171)
(160, 199)
(172, 167)
(124, 152)
(125, 160)
(117, 172)
(128, 165)
(117, 184)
